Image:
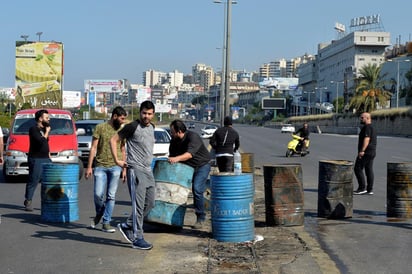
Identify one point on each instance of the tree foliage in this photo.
(370, 91)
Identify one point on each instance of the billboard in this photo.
(97, 90)
(8, 93)
(39, 74)
(143, 94)
(71, 99)
(104, 86)
(273, 103)
(280, 83)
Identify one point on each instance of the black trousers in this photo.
(364, 163)
(225, 163)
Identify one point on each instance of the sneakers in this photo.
(199, 225)
(126, 231)
(96, 220)
(370, 193)
(142, 244)
(360, 192)
(27, 205)
(108, 228)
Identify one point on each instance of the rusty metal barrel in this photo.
(283, 194)
(248, 163)
(335, 189)
(399, 190)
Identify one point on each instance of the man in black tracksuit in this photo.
(225, 141)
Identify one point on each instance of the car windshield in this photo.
(88, 128)
(162, 137)
(59, 125)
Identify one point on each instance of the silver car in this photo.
(85, 129)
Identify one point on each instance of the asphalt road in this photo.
(366, 243)
(369, 242)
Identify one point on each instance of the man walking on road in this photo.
(139, 136)
(38, 153)
(106, 172)
(366, 154)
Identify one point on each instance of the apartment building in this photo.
(331, 73)
(340, 61)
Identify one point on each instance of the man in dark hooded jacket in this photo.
(225, 141)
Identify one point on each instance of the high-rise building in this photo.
(340, 61)
(152, 78)
(264, 72)
(175, 78)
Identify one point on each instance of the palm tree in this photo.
(370, 90)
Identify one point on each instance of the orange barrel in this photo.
(283, 194)
(335, 189)
(173, 184)
(248, 164)
(60, 193)
(399, 190)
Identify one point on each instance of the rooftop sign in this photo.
(365, 20)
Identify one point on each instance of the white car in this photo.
(162, 141)
(207, 131)
(328, 106)
(287, 128)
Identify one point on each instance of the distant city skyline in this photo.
(117, 40)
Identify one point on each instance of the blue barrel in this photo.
(232, 207)
(173, 185)
(59, 193)
(154, 161)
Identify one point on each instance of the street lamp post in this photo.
(309, 92)
(24, 36)
(39, 34)
(226, 64)
(397, 78)
(320, 97)
(337, 92)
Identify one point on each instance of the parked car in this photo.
(287, 128)
(162, 141)
(191, 125)
(62, 141)
(328, 106)
(208, 130)
(85, 129)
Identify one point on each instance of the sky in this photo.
(106, 39)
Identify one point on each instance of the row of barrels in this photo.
(233, 195)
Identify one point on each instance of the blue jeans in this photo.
(198, 188)
(35, 175)
(106, 181)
